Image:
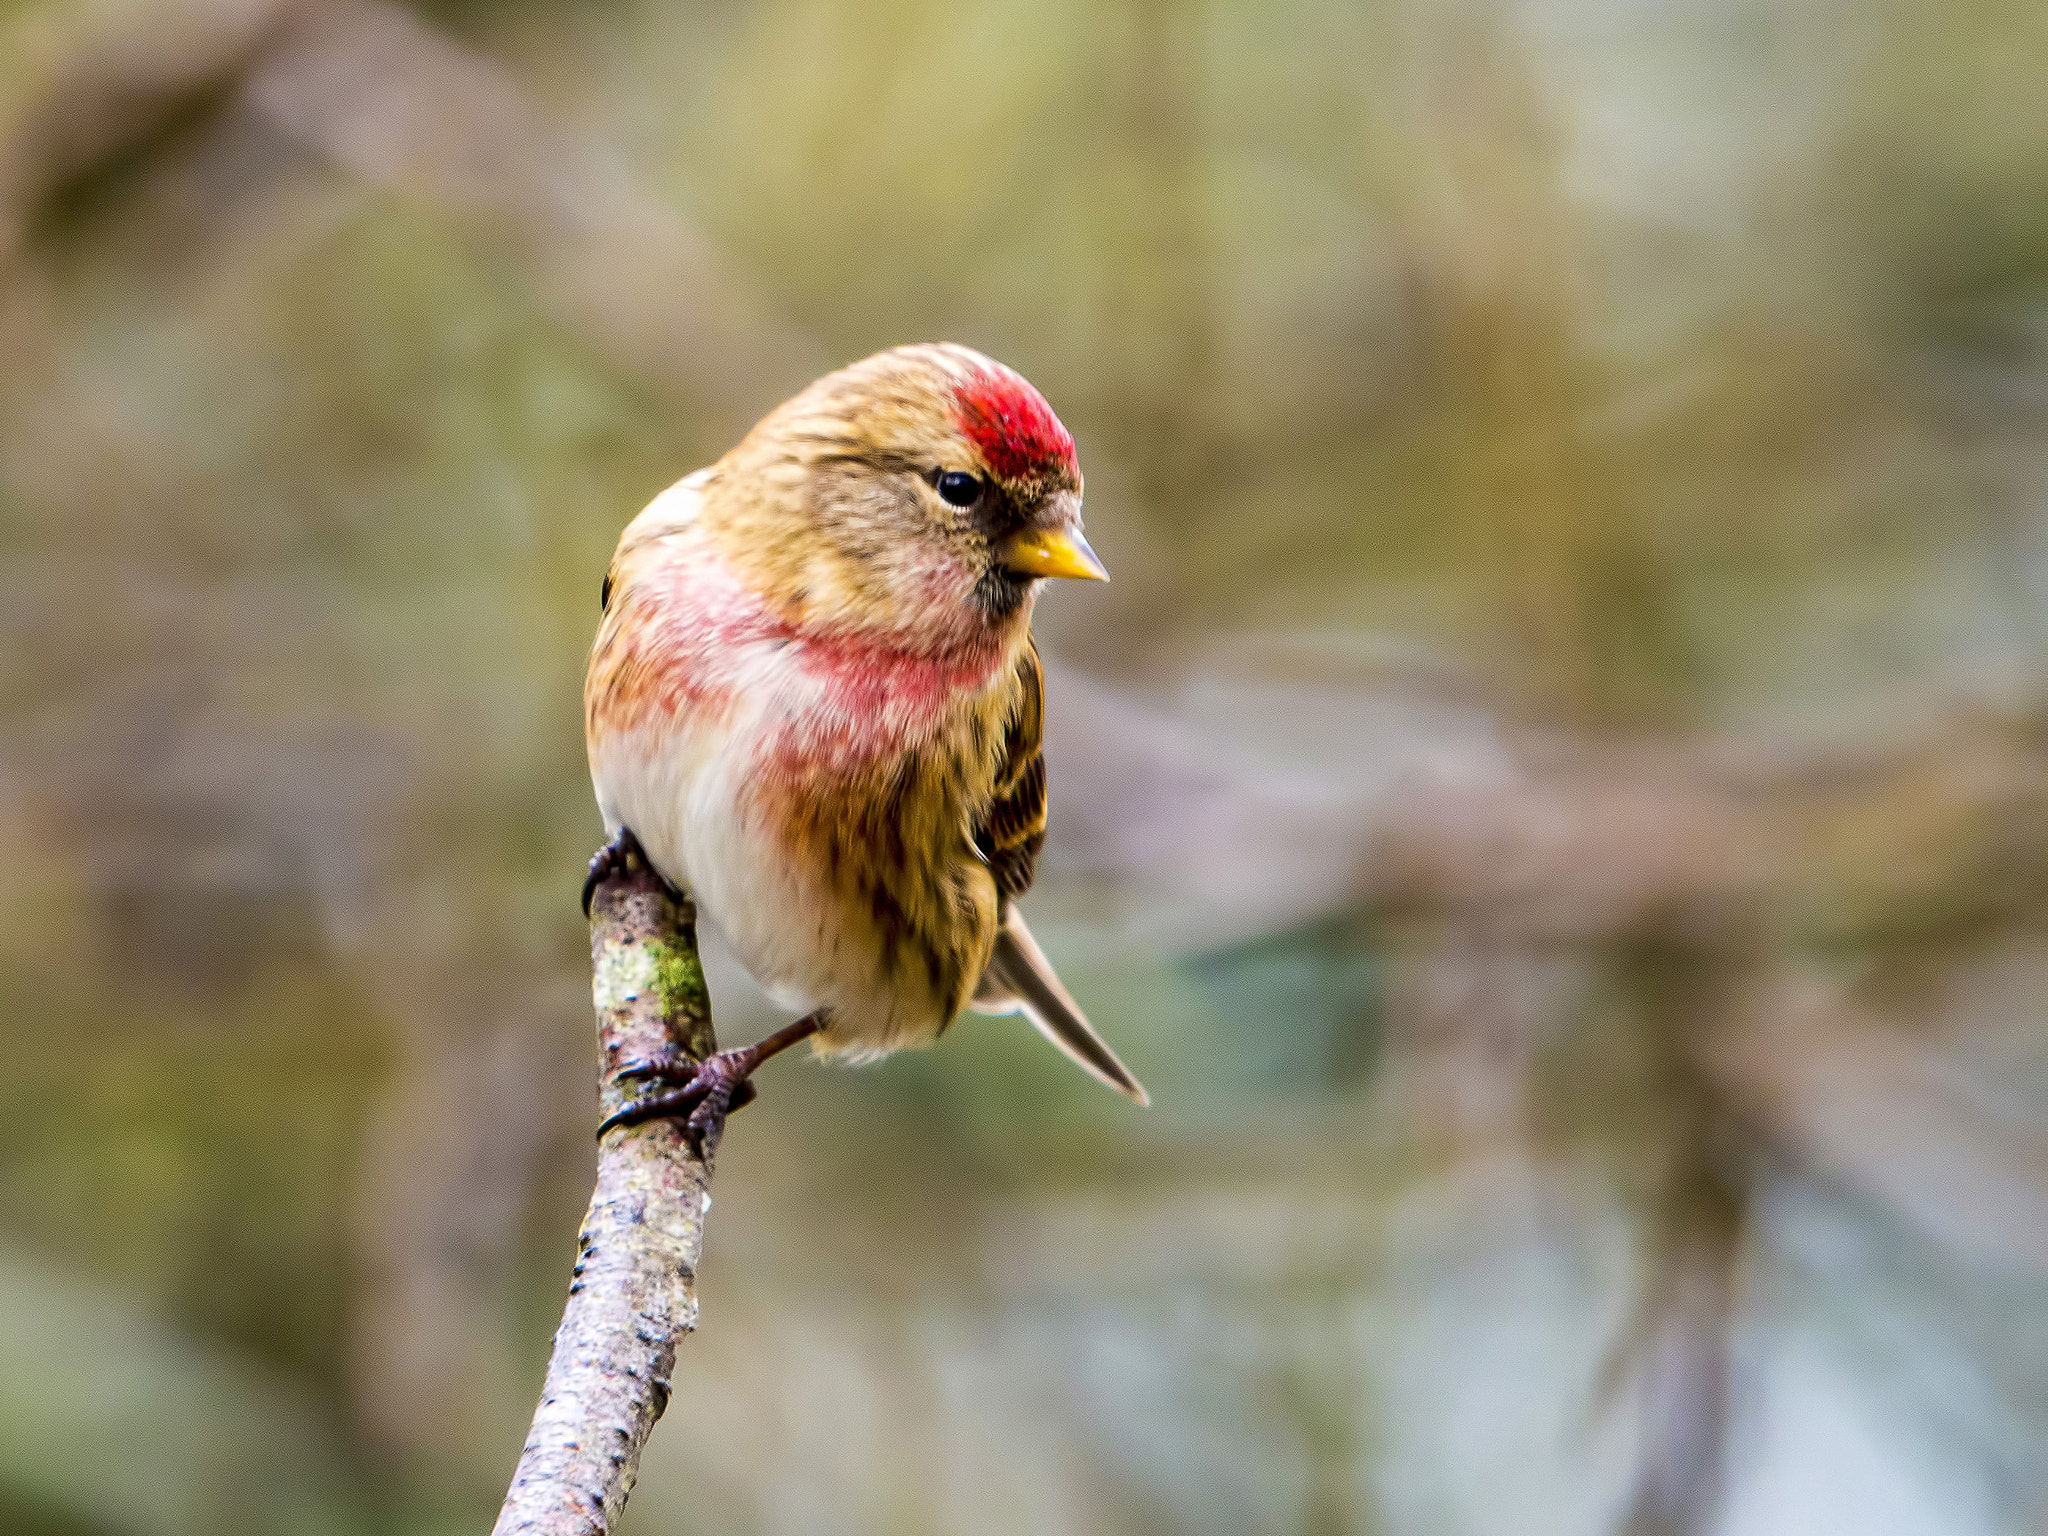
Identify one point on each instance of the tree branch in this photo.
(635, 1289)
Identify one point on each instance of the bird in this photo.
(815, 704)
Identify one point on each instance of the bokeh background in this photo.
(1554, 805)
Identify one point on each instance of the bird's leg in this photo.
(707, 1091)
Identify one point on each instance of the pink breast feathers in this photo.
(866, 680)
(839, 700)
(677, 649)
(1016, 431)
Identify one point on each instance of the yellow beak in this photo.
(1035, 553)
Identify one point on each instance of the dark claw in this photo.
(708, 1091)
(614, 858)
(705, 1092)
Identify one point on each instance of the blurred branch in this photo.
(376, 92)
(1676, 1353)
(1862, 1101)
(86, 82)
(389, 99)
(635, 1292)
(1681, 1363)
(1437, 808)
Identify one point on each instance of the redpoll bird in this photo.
(816, 704)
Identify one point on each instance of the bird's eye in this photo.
(958, 488)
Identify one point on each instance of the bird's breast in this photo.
(813, 792)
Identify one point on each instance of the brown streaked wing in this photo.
(1013, 830)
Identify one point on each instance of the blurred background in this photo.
(1554, 805)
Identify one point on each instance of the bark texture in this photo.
(634, 1294)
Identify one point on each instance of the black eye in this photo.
(958, 488)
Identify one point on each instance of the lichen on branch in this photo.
(634, 1294)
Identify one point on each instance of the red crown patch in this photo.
(1016, 431)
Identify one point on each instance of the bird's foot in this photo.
(705, 1092)
(701, 1093)
(616, 858)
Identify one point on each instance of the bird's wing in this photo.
(1013, 830)
(1019, 978)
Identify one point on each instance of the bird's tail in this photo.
(1020, 979)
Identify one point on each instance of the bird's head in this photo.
(920, 495)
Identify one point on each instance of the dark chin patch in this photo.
(1000, 593)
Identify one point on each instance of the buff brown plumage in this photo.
(815, 702)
